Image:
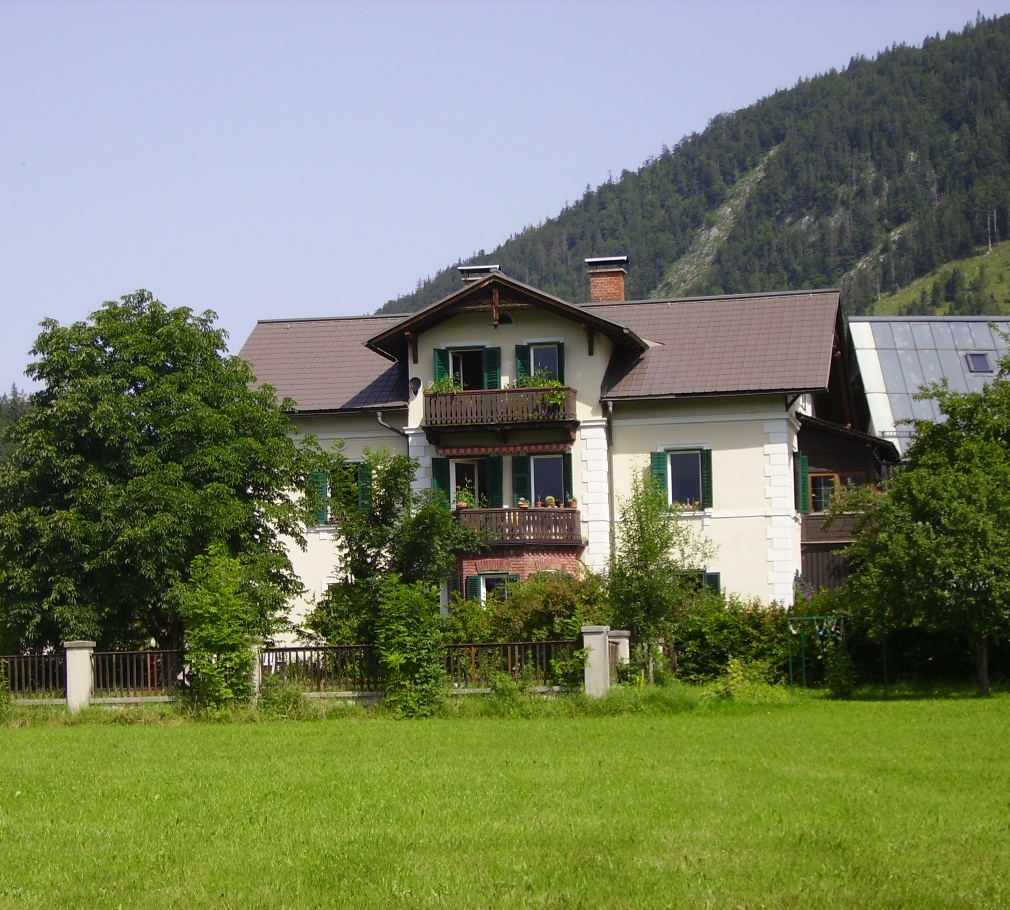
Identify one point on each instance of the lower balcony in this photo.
(536, 527)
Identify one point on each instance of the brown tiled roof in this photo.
(699, 346)
(725, 345)
(323, 364)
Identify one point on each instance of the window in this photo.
(978, 363)
(546, 358)
(686, 475)
(479, 368)
(703, 581)
(342, 492)
(481, 476)
(823, 486)
(539, 476)
(479, 587)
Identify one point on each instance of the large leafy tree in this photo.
(146, 446)
(935, 544)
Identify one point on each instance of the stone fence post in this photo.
(79, 674)
(597, 672)
(623, 639)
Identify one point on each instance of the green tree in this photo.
(935, 545)
(386, 528)
(145, 446)
(655, 565)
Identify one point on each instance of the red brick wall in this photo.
(524, 561)
(606, 287)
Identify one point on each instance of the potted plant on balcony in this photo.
(549, 502)
(573, 503)
(523, 503)
(450, 383)
(466, 498)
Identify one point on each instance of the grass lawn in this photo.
(811, 804)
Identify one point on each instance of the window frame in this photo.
(662, 472)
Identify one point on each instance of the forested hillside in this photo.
(864, 179)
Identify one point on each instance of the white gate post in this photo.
(597, 673)
(79, 674)
(623, 640)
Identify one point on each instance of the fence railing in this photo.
(137, 674)
(541, 663)
(35, 675)
(324, 669)
(535, 526)
(483, 407)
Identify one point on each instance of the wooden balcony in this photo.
(536, 527)
(841, 531)
(498, 409)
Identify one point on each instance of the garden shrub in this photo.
(753, 681)
(282, 697)
(411, 648)
(839, 669)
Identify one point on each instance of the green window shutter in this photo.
(492, 368)
(566, 474)
(712, 583)
(495, 476)
(440, 478)
(441, 363)
(660, 466)
(364, 481)
(521, 483)
(706, 478)
(561, 361)
(473, 587)
(801, 469)
(317, 481)
(522, 362)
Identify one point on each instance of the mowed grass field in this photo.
(811, 804)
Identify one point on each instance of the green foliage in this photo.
(547, 606)
(281, 697)
(450, 383)
(936, 542)
(146, 445)
(411, 650)
(652, 567)
(839, 669)
(5, 689)
(13, 405)
(865, 179)
(753, 681)
(218, 607)
(391, 531)
(715, 630)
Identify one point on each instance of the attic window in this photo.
(978, 363)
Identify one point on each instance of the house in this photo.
(712, 395)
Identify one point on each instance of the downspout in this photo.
(610, 475)
(383, 423)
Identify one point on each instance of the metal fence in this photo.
(336, 668)
(541, 663)
(34, 675)
(137, 674)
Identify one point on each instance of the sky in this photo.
(290, 159)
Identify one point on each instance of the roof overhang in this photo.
(493, 294)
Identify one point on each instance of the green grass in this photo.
(806, 804)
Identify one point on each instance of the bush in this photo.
(408, 637)
(753, 681)
(281, 697)
(712, 630)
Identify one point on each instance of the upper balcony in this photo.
(532, 527)
(499, 409)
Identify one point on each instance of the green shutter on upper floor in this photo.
(712, 582)
(364, 481)
(706, 478)
(495, 478)
(441, 363)
(521, 483)
(440, 479)
(317, 481)
(801, 483)
(659, 465)
(492, 368)
(522, 363)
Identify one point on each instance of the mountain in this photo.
(864, 179)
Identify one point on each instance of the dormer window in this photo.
(978, 362)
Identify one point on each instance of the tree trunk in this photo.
(982, 664)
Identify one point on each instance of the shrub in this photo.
(281, 697)
(839, 669)
(749, 681)
(411, 649)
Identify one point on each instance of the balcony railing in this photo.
(844, 529)
(544, 527)
(501, 407)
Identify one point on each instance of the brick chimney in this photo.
(606, 278)
(471, 274)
